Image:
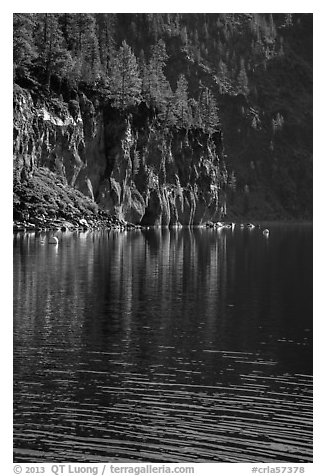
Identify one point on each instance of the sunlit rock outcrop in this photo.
(130, 165)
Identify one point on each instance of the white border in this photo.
(315, 7)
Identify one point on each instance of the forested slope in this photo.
(165, 118)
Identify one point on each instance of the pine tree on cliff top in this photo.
(125, 83)
(90, 55)
(52, 52)
(80, 32)
(24, 50)
(105, 32)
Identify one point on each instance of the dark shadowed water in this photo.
(187, 345)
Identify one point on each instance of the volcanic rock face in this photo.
(131, 166)
(46, 135)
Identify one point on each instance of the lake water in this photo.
(188, 345)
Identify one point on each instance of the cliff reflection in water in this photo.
(163, 345)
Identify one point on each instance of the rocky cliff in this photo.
(163, 119)
(128, 165)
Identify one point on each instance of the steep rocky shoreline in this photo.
(130, 168)
(46, 202)
(209, 119)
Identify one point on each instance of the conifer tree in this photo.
(24, 50)
(66, 20)
(105, 31)
(181, 107)
(91, 65)
(81, 36)
(208, 112)
(52, 52)
(156, 89)
(223, 76)
(125, 83)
